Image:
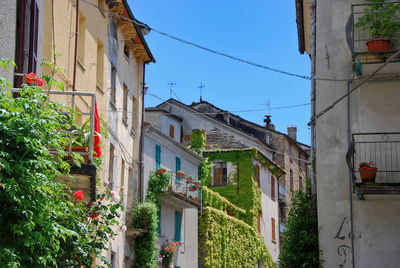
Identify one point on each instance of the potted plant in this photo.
(197, 184)
(161, 171)
(170, 187)
(382, 22)
(180, 174)
(367, 171)
(189, 179)
(167, 253)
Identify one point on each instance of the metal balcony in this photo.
(383, 149)
(183, 193)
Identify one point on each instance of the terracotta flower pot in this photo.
(197, 184)
(367, 174)
(78, 149)
(378, 45)
(189, 180)
(180, 174)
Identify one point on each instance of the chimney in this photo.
(268, 124)
(292, 132)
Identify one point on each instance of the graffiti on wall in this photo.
(342, 238)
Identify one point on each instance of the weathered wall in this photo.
(8, 13)
(373, 107)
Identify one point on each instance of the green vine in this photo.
(158, 183)
(198, 139)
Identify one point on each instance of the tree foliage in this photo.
(300, 243)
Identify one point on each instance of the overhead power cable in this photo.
(138, 23)
(356, 86)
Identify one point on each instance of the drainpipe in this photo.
(76, 45)
(141, 164)
(313, 98)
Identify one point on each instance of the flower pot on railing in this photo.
(78, 149)
(161, 171)
(378, 45)
(180, 174)
(367, 171)
(189, 179)
(197, 184)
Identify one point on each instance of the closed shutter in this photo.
(158, 156)
(177, 167)
(33, 40)
(178, 225)
(258, 175)
(218, 170)
(171, 131)
(273, 229)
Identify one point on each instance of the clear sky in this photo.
(261, 31)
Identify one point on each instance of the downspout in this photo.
(141, 164)
(350, 178)
(313, 99)
(76, 45)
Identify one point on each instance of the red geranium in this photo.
(79, 194)
(31, 78)
(161, 171)
(94, 215)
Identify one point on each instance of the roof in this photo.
(154, 109)
(296, 143)
(300, 25)
(217, 139)
(139, 30)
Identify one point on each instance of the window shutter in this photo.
(273, 229)
(218, 174)
(273, 188)
(159, 221)
(178, 225)
(258, 175)
(158, 156)
(171, 131)
(177, 167)
(33, 40)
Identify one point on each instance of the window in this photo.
(273, 236)
(125, 106)
(126, 261)
(113, 85)
(122, 182)
(111, 168)
(126, 50)
(181, 135)
(158, 156)
(291, 181)
(259, 222)
(220, 174)
(100, 66)
(171, 131)
(177, 167)
(81, 38)
(258, 175)
(27, 38)
(178, 225)
(290, 152)
(112, 261)
(273, 188)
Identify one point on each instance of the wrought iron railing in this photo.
(381, 149)
(186, 187)
(369, 21)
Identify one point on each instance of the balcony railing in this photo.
(382, 150)
(185, 188)
(373, 16)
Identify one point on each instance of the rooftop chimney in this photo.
(268, 124)
(292, 132)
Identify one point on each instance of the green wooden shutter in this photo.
(178, 225)
(158, 156)
(177, 167)
(159, 221)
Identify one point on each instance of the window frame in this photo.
(224, 173)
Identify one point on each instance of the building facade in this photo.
(356, 219)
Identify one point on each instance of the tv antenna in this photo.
(201, 91)
(171, 84)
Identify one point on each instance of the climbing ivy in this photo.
(228, 242)
(198, 139)
(158, 183)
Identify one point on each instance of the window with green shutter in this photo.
(159, 221)
(177, 167)
(178, 225)
(158, 156)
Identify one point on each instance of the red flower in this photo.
(31, 78)
(40, 82)
(79, 194)
(167, 248)
(94, 215)
(161, 171)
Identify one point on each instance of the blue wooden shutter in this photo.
(178, 225)
(159, 221)
(177, 166)
(158, 156)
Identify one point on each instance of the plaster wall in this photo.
(373, 107)
(269, 210)
(166, 121)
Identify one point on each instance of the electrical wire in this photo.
(138, 23)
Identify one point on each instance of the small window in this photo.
(290, 152)
(122, 182)
(291, 181)
(111, 168)
(178, 226)
(181, 135)
(126, 50)
(171, 131)
(300, 183)
(158, 156)
(273, 188)
(125, 106)
(273, 230)
(134, 115)
(113, 86)
(220, 174)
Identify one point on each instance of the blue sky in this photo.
(259, 30)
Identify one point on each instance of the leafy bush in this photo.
(158, 183)
(300, 243)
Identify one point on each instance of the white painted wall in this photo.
(166, 121)
(373, 107)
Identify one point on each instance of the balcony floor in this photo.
(372, 188)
